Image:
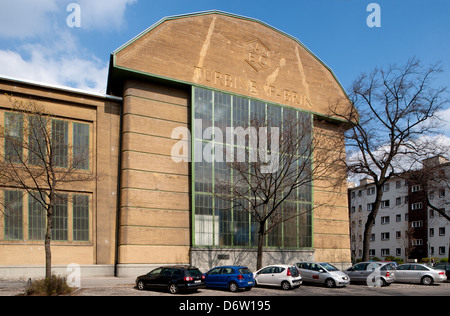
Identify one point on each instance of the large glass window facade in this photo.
(221, 223)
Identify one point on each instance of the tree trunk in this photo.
(261, 237)
(48, 238)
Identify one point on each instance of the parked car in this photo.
(173, 278)
(372, 273)
(286, 276)
(419, 273)
(231, 277)
(444, 266)
(323, 273)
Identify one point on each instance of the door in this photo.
(152, 277)
(417, 272)
(305, 272)
(266, 275)
(316, 275)
(358, 272)
(401, 274)
(213, 276)
(226, 276)
(164, 277)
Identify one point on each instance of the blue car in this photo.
(231, 277)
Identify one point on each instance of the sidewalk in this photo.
(17, 287)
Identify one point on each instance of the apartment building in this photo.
(405, 226)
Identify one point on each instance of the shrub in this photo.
(54, 286)
(444, 260)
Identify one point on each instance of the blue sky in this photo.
(37, 44)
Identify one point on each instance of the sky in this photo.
(39, 40)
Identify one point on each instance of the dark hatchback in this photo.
(173, 278)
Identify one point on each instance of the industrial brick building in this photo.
(148, 209)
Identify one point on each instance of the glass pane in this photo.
(81, 146)
(60, 143)
(80, 218)
(13, 137)
(60, 218)
(37, 130)
(13, 215)
(36, 217)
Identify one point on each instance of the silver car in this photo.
(286, 276)
(373, 273)
(419, 273)
(323, 273)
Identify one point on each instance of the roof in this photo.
(60, 88)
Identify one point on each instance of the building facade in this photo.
(405, 227)
(153, 205)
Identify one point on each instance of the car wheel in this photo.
(427, 280)
(285, 285)
(173, 288)
(233, 287)
(330, 283)
(141, 285)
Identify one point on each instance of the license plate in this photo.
(198, 281)
(250, 282)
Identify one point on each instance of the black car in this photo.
(173, 278)
(444, 266)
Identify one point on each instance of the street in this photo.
(395, 289)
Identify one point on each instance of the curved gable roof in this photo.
(236, 54)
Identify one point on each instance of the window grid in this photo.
(13, 215)
(80, 218)
(36, 218)
(216, 225)
(60, 230)
(81, 146)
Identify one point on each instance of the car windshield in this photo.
(193, 272)
(328, 267)
(244, 271)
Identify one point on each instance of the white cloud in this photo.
(45, 49)
(444, 116)
(59, 62)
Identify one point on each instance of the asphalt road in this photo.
(126, 287)
(395, 289)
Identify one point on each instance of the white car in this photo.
(286, 276)
(323, 273)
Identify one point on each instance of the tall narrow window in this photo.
(13, 215)
(60, 218)
(36, 218)
(81, 146)
(60, 143)
(37, 145)
(13, 137)
(80, 218)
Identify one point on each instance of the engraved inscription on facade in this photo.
(249, 87)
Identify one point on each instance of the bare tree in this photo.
(272, 178)
(394, 109)
(37, 160)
